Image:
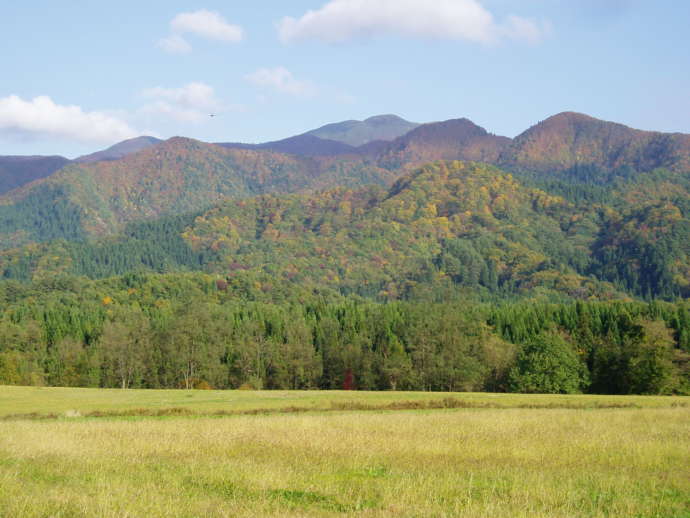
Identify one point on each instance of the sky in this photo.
(80, 75)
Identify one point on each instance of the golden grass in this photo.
(60, 400)
(474, 462)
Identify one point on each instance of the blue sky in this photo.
(80, 75)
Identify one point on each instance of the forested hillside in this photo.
(449, 227)
(570, 140)
(178, 176)
(564, 268)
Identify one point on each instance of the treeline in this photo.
(194, 331)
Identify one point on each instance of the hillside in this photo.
(610, 222)
(457, 276)
(568, 140)
(16, 171)
(455, 139)
(449, 225)
(178, 176)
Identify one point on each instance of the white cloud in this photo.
(281, 80)
(342, 20)
(207, 24)
(203, 23)
(41, 117)
(190, 103)
(175, 44)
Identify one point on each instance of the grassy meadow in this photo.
(91, 452)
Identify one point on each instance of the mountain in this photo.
(455, 139)
(16, 171)
(340, 138)
(569, 140)
(447, 226)
(447, 223)
(177, 176)
(120, 150)
(629, 211)
(357, 133)
(302, 145)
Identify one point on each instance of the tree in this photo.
(548, 364)
(125, 343)
(651, 369)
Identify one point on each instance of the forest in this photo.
(194, 331)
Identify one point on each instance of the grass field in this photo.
(88, 452)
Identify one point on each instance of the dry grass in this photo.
(40, 401)
(406, 460)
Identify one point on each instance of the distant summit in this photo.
(121, 149)
(357, 133)
(570, 139)
(16, 171)
(302, 145)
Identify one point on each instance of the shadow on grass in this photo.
(290, 498)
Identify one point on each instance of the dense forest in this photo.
(194, 331)
(447, 227)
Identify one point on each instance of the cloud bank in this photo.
(42, 117)
(344, 20)
(203, 23)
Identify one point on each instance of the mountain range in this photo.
(562, 142)
(572, 205)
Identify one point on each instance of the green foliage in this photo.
(43, 214)
(548, 364)
(446, 229)
(189, 330)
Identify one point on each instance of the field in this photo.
(89, 452)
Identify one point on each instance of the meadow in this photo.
(94, 452)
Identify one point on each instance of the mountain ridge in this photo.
(356, 133)
(17, 170)
(183, 175)
(569, 139)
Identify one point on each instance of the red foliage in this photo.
(349, 381)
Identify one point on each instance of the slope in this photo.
(448, 226)
(16, 171)
(570, 140)
(178, 176)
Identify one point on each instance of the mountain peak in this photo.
(357, 133)
(570, 139)
(387, 118)
(572, 116)
(121, 149)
